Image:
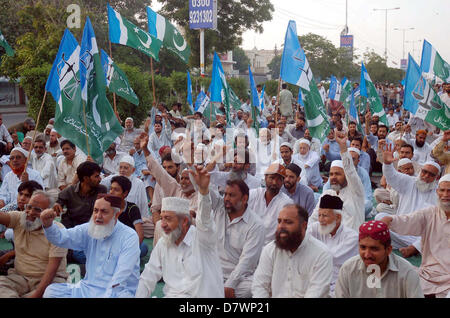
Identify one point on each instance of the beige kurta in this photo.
(433, 226)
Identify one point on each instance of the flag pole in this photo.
(85, 126)
(114, 94)
(35, 128)
(153, 81)
(278, 101)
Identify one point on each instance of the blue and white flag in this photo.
(216, 86)
(433, 63)
(294, 64)
(88, 50)
(300, 98)
(261, 98)
(421, 99)
(253, 91)
(64, 75)
(189, 93)
(201, 102)
(334, 92)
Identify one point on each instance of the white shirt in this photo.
(137, 194)
(306, 273)
(67, 172)
(190, 269)
(352, 195)
(311, 159)
(5, 137)
(240, 243)
(303, 175)
(111, 166)
(392, 119)
(342, 245)
(46, 167)
(10, 184)
(268, 213)
(421, 154)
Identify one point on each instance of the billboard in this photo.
(347, 42)
(202, 14)
(404, 64)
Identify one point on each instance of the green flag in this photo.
(368, 90)
(345, 93)
(116, 80)
(4, 43)
(433, 63)
(103, 126)
(161, 28)
(124, 32)
(316, 116)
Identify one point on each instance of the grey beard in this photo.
(336, 187)
(98, 232)
(237, 175)
(423, 187)
(173, 236)
(30, 226)
(445, 206)
(327, 229)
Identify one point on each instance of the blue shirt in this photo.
(112, 264)
(373, 141)
(364, 161)
(140, 163)
(334, 153)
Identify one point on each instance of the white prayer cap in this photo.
(127, 159)
(53, 130)
(219, 142)
(201, 146)
(49, 126)
(129, 118)
(354, 150)
(304, 141)
(21, 150)
(445, 178)
(274, 97)
(27, 137)
(433, 163)
(403, 162)
(174, 204)
(337, 163)
(286, 144)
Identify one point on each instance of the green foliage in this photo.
(379, 71)
(141, 84)
(179, 84)
(242, 61)
(239, 86)
(274, 67)
(271, 87)
(233, 19)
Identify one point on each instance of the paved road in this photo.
(11, 119)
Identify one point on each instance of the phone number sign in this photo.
(203, 14)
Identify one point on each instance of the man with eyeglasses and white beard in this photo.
(415, 193)
(38, 263)
(342, 241)
(111, 249)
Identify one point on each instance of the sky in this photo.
(430, 20)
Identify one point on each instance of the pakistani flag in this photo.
(124, 32)
(433, 63)
(101, 120)
(116, 80)
(334, 94)
(189, 93)
(295, 70)
(4, 43)
(161, 28)
(368, 90)
(422, 101)
(346, 90)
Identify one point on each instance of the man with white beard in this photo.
(38, 262)
(342, 241)
(44, 163)
(310, 159)
(346, 184)
(111, 249)
(432, 225)
(137, 194)
(415, 193)
(187, 256)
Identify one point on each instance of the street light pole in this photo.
(413, 46)
(404, 30)
(385, 28)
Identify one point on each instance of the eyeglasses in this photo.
(34, 208)
(426, 172)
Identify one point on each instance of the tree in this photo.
(321, 54)
(233, 18)
(274, 66)
(242, 60)
(239, 86)
(378, 70)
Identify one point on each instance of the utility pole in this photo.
(404, 30)
(413, 46)
(385, 28)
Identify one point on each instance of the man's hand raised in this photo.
(47, 217)
(341, 139)
(388, 155)
(202, 178)
(143, 140)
